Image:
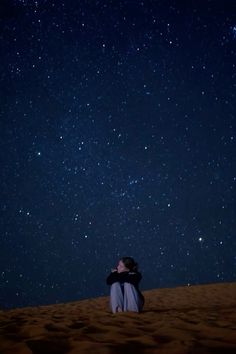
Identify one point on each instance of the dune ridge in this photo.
(181, 320)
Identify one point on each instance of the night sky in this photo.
(118, 138)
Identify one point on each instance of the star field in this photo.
(117, 138)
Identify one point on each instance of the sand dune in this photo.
(195, 319)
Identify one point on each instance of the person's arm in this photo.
(128, 277)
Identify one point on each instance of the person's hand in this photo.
(122, 270)
(113, 270)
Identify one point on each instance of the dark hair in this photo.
(130, 263)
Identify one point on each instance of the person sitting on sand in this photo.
(124, 293)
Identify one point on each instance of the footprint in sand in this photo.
(46, 346)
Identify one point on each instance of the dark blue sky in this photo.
(117, 138)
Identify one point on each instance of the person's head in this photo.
(127, 264)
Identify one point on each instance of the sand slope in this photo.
(196, 319)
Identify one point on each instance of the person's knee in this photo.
(129, 285)
(115, 288)
(116, 284)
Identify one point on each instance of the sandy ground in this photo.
(196, 319)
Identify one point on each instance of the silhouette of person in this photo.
(124, 281)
